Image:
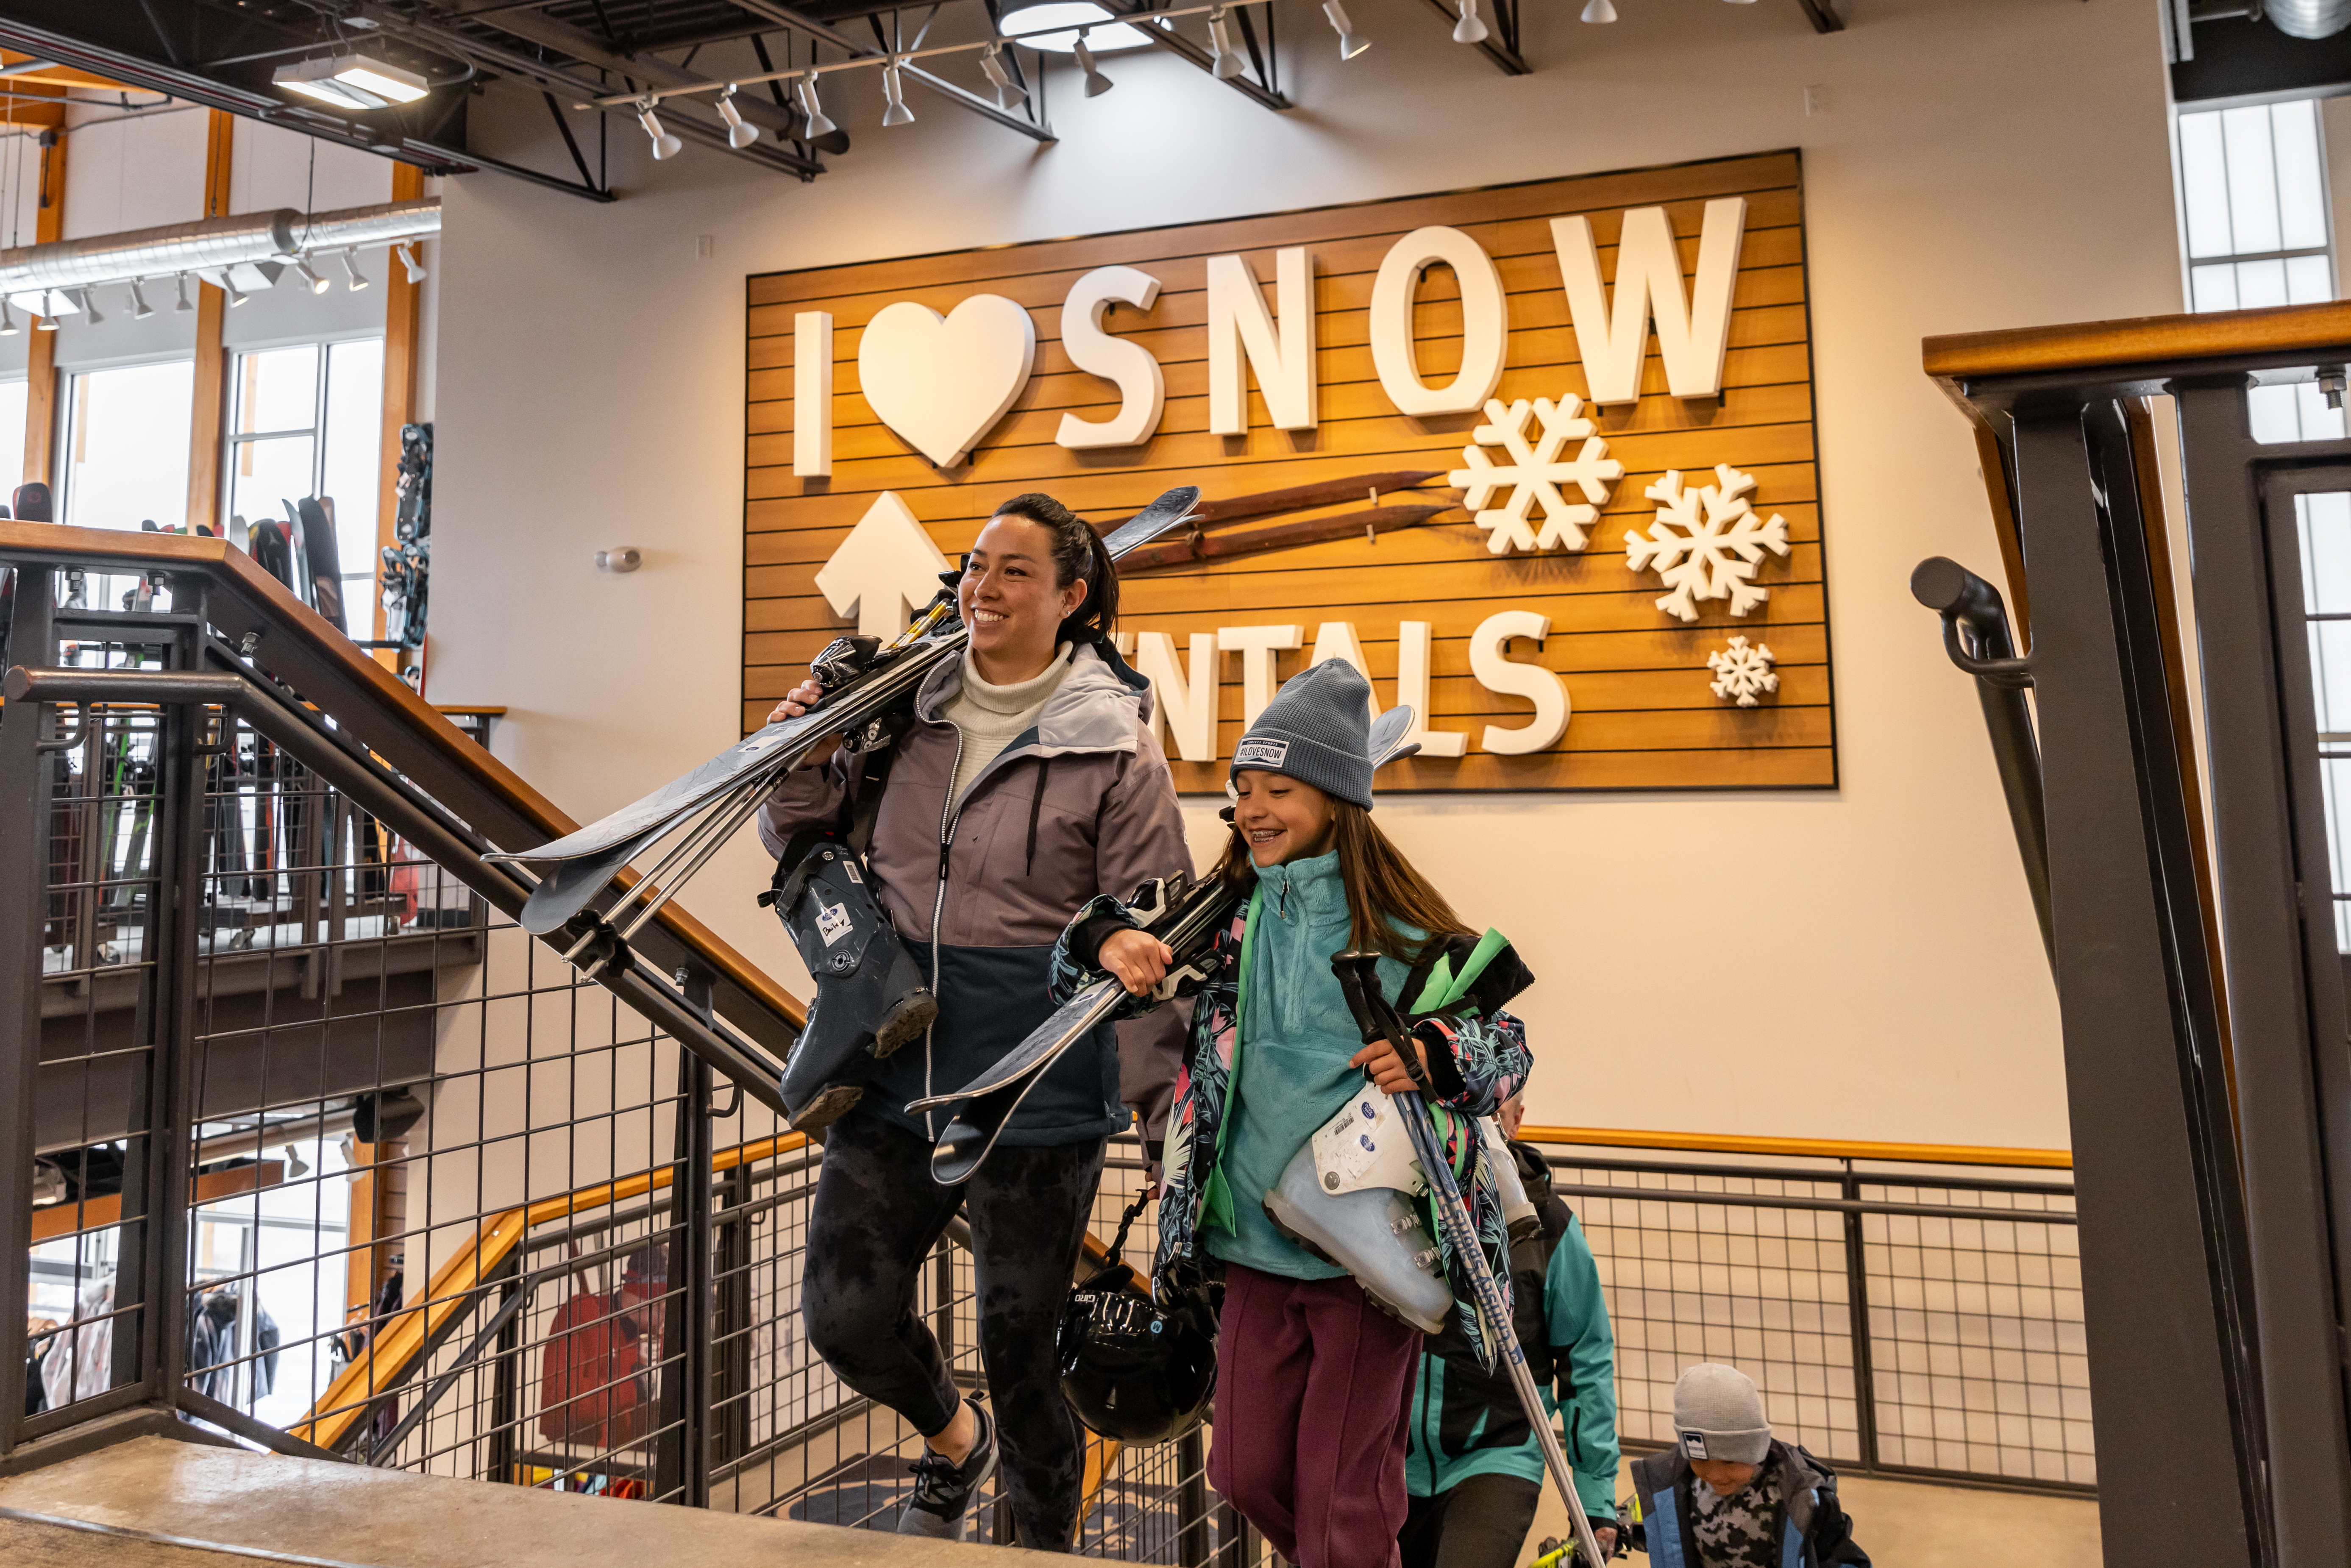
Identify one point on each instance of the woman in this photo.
(1029, 783)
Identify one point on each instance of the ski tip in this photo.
(958, 1153)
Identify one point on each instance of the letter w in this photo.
(1692, 334)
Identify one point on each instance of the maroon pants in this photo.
(1313, 1386)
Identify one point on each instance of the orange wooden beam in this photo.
(41, 360)
(208, 416)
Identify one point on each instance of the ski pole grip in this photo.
(1352, 974)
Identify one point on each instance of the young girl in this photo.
(1313, 1379)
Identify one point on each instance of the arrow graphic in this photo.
(883, 571)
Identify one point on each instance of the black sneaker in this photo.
(943, 1489)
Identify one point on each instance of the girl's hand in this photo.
(798, 701)
(1136, 959)
(1386, 1068)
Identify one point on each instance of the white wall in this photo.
(1862, 963)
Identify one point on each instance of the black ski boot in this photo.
(870, 995)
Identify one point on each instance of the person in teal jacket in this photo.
(1475, 1469)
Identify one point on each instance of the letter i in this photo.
(812, 394)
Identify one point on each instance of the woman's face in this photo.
(1282, 819)
(1009, 601)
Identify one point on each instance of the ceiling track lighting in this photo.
(1097, 84)
(184, 307)
(407, 254)
(897, 114)
(8, 327)
(1469, 30)
(818, 124)
(1351, 43)
(740, 133)
(48, 320)
(236, 295)
(309, 275)
(140, 309)
(665, 144)
(88, 305)
(1600, 11)
(991, 65)
(351, 273)
(1225, 60)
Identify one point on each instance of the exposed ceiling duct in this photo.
(249, 250)
(2306, 19)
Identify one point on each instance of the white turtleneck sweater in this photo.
(991, 717)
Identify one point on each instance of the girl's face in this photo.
(1009, 601)
(1282, 819)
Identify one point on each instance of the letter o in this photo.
(1485, 322)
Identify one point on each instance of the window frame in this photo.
(231, 438)
(65, 419)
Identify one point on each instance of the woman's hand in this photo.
(798, 701)
(1136, 959)
(1386, 1068)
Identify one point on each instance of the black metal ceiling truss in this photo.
(1823, 16)
(1260, 83)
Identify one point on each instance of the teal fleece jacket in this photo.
(1467, 1422)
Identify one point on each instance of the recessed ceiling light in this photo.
(351, 81)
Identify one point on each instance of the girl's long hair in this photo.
(1386, 898)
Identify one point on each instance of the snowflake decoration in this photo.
(1741, 671)
(1535, 475)
(1706, 543)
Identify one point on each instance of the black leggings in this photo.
(1481, 1523)
(877, 1214)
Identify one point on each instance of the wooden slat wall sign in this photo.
(1350, 351)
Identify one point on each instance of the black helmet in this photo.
(1131, 1370)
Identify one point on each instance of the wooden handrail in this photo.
(403, 1336)
(326, 665)
(2104, 345)
(1803, 1148)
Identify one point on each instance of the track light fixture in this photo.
(665, 144)
(8, 327)
(48, 320)
(407, 254)
(1600, 11)
(818, 125)
(1351, 43)
(351, 273)
(236, 295)
(1097, 84)
(184, 306)
(88, 305)
(140, 309)
(991, 65)
(1226, 59)
(740, 133)
(897, 114)
(1469, 30)
(309, 275)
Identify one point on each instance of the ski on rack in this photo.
(1186, 917)
(864, 679)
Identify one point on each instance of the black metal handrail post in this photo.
(1857, 1295)
(682, 1465)
(25, 776)
(1191, 1501)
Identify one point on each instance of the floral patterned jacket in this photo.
(1489, 1062)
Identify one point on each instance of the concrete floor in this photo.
(1908, 1524)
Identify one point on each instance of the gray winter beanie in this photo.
(1717, 1415)
(1317, 728)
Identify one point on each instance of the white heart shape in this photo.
(942, 382)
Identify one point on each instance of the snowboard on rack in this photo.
(863, 680)
(1186, 917)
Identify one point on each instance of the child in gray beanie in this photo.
(1274, 1055)
(1730, 1495)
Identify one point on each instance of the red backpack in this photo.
(594, 1388)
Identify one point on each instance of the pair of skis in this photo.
(865, 684)
(1359, 980)
(1186, 918)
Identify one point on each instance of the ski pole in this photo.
(1359, 980)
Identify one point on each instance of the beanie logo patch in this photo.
(1261, 752)
(1694, 1445)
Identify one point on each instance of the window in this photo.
(308, 421)
(127, 446)
(13, 394)
(2254, 183)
